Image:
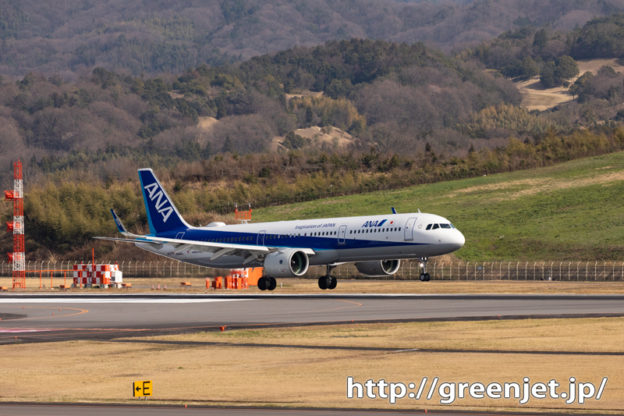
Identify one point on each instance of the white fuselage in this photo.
(333, 240)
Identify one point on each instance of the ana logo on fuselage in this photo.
(161, 203)
(374, 223)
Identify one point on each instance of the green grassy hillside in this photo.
(571, 211)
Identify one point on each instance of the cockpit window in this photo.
(445, 225)
(436, 226)
(429, 226)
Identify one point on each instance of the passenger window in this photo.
(428, 226)
(436, 226)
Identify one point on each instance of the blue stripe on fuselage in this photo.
(275, 240)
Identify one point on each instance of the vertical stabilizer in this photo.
(162, 215)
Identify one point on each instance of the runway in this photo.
(45, 318)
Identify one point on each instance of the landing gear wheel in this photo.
(272, 284)
(324, 282)
(332, 283)
(424, 276)
(262, 283)
(328, 281)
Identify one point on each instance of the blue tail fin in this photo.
(162, 215)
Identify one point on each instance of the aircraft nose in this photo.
(458, 239)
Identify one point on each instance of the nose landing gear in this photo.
(424, 276)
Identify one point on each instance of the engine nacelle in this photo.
(378, 268)
(286, 263)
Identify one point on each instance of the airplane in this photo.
(376, 243)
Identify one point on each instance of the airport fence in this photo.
(506, 270)
(410, 270)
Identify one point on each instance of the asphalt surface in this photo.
(32, 318)
(44, 318)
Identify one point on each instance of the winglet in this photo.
(118, 223)
(394, 210)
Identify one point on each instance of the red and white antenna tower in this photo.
(18, 257)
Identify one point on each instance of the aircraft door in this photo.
(261, 235)
(342, 234)
(409, 229)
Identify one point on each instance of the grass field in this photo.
(306, 367)
(570, 211)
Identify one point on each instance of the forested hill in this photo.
(70, 37)
(351, 94)
(395, 97)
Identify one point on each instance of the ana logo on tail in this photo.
(161, 203)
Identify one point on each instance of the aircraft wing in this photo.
(205, 245)
(250, 252)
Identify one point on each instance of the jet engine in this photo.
(286, 263)
(378, 268)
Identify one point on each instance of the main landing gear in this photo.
(424, 276)
(328, 281)
(267, 283)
